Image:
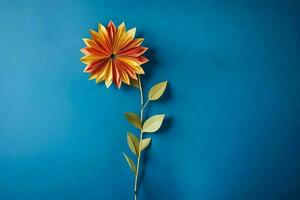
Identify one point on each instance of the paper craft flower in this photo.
(113, 55)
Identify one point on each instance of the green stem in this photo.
(146, 104)
(141, 138)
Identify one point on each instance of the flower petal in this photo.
(130, 63)
(101, 75)
(134, 51)
(103, 32)
(138, 69)
(93, 50)
(93, 66)
(116, 73)
(125, 39)
(98, 72)
(91, 58)
(133, 43)
(127, 60)
(129, 70)
(125, 78)
(90, 43)
(117, 39)
(108, 74)
(140, 60)
(111, 29)
(101, 41)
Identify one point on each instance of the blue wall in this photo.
(233, 103)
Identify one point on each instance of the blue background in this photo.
(233, 103)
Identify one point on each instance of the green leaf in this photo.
(145, 143)
(130, 163)
(133, 143)
(153, 123)
(134, 119)
(157, 90)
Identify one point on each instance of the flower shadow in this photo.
(149, 68)
(151, 65)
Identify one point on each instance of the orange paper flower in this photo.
(113, 55)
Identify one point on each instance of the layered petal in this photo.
(111, 29)
(108, 73)
(118, 37)
(116, 73)
(134, 51)
(92, 58)
(98, 73)
(93, 50)
(113, 55)
(126, 39)
(101, 41)
(93, 66)
(133, 43)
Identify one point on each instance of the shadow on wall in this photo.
(147, 191)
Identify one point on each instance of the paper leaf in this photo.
(134, 119)
(157, 90)
(145, 143)
(133, 143)
(153, 123)
(130, 163)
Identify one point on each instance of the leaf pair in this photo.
(151, 125)
(134, 143)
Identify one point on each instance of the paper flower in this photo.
(113, 55)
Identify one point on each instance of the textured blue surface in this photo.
(233, 103)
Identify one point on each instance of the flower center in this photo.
(113, 56)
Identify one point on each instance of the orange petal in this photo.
(123, 73)
(133, 43)
(93, 76)
(130, 63)
(92, 50)
(101, 75)
(111, 29)
(117, 39)
(91, 67)
(92, 58)
(98, 72)
(125, 77)
(101, 41)
(129, 71)
(125, 39)
(140, 60)
(127, 60)
(108, 73)
(134, 51)
(104, 33)
(90, 42)
(116, 74)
